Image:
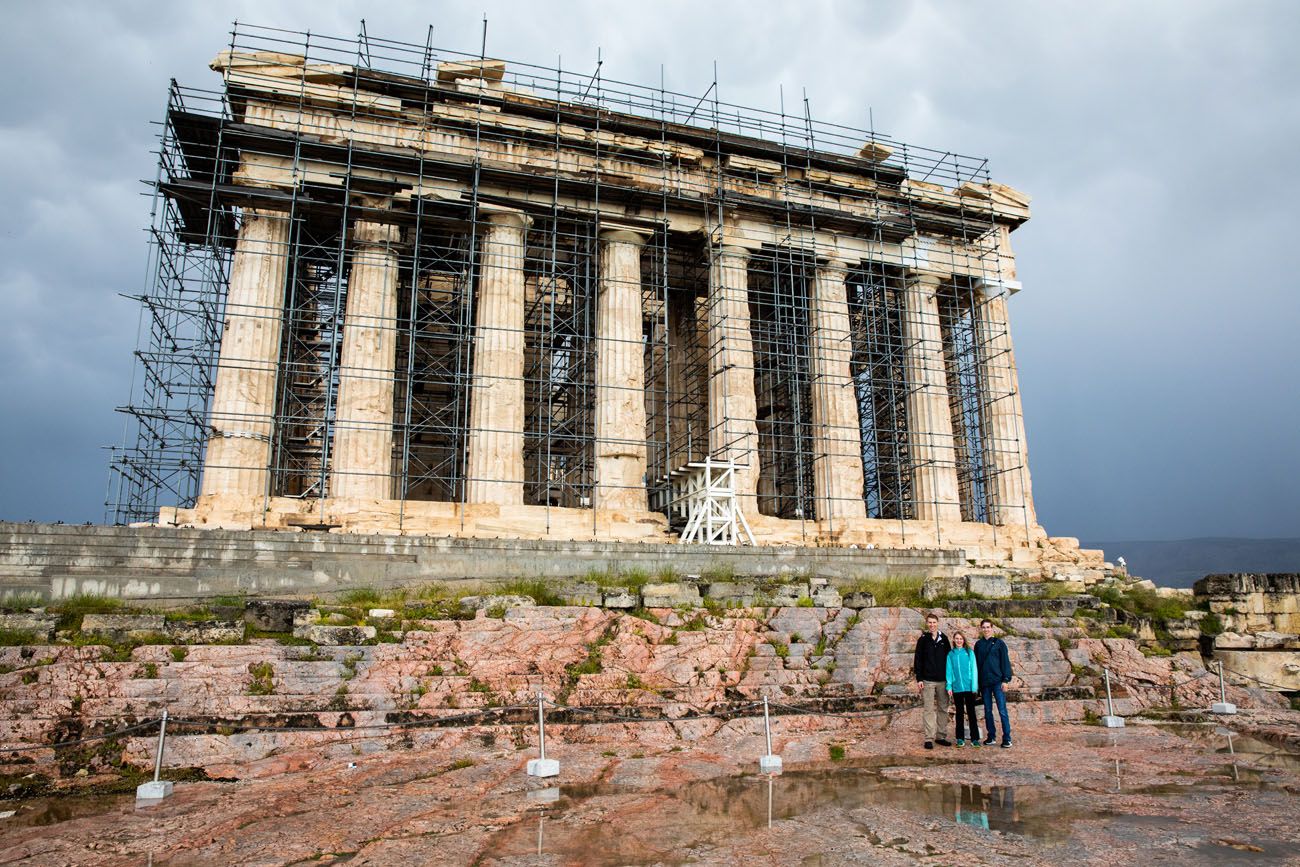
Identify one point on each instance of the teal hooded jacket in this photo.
(961, 670)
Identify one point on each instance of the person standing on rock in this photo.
(993, 662)
(930, 667)
(963, 687)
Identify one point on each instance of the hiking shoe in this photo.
(1006, 745)
(943, 742)
(975, 741)
(929, 745)
(990, 741)
(961, 742)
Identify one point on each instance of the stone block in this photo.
(119, 627)
(729, 593)
(303, 617)
(827, 597)
(496, 600)
(1028, 589)
(989, 586)
(40, 625)
(670, 595)
(381, 613)
(319, 633)
(938, 588)
(620, 599)
(205, 631)
(858, 601)
(584, 593)
(788, 595)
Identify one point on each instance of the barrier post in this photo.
(1222, 706)
(768, 763)
(158, 788)
(542, 766)
(1110, 720)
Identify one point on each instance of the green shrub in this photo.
(148, 671)
(18, 637)
(179, 653)
(535, 588)
(804, 602)
(263, 682)
(1211, 624)
(21, 602)
(837, 752)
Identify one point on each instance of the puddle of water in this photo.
(41, 812)
(1229, 744)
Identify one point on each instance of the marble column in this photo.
(620, 375)
(495, 468)
(733, 409)
(1011, 498)
(243, 399)
(929, 416)
(837, 435)
(362, 461)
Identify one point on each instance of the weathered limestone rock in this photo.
(274, 615)
(859, 600)
(1253, 602)
(827, 597)
(788, 595)
(621, 599)
(205, 631)
(984, 586)
(319, 633)
(120, 627)
(40, 625)
(670, 595)
(496, 600)
(581, 593)
(732, 593)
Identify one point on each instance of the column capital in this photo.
(834, 267)
(615, 233)
(509, 219)
(991, 288)
(730, 251)
(366, 233)
(928, 280)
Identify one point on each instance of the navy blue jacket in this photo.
(992, 661)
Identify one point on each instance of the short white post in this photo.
(542, 766)
(769, 763)
(1222, 706)
(1110, 720)
(158, 789)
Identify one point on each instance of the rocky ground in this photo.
(689, 792)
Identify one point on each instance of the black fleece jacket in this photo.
(931, 659)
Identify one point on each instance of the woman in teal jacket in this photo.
(963, 687)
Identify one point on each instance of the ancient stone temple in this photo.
(447, 295)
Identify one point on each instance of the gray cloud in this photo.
(1154, 334)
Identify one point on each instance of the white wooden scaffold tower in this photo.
(703, 495)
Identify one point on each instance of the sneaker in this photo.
(929, 745)
(961, 742)
(990, 741)
(975, 741)
(1006, 745)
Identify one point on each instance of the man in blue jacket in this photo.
(993, 663)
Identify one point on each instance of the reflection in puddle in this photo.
(40, 812)
(636, 826)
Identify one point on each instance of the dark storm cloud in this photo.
(1154, 334)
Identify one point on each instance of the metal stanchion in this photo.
(1110, 720)
(542, 766)
(769, 763)
(157, 789)
(1222, 706)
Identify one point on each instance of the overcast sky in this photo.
(1158, 333)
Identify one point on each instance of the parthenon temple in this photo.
(401, 290)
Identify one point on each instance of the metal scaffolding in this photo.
(439, 143)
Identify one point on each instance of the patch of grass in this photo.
(435, 671)
(18, 637)
(73, 608)
(1064, 643)
(698, 623)
(361, 597)
(1144, 603)
(1090, 717)
(460, 764)
(22, 602)
(667, 575)
(340, 700)
(179, 653)
(893, 592)
(804, 602)
(1155, 651)
(634, 682)
(718, 572)
(782, 649)
(1120, 630)
(1211, 624)
(148, 671)
(263, 682)
(645, 614)
(535, 588)
(350, 665)
(476, 685)
(837, 752)
(29, 677)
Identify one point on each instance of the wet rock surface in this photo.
(689, 792)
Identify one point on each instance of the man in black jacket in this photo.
(993, 663)
(930, 666)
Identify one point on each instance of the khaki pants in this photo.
(934, 700)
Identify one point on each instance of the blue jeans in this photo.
(988, 693)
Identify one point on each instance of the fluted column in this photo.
(733, 409)
(362, 462)
(929, 415)
(620, 375)
(1012, 499)
(837, 435)
(495, 467)
(243, 400)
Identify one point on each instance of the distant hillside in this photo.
(1182, 563)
